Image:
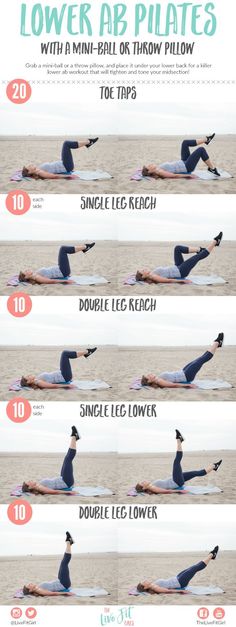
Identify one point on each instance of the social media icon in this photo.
(219, 613)
(203, 612)
(16, 612)
(30, 612)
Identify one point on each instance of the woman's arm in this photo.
(157, 490)
(162, 383)
(160, 590)
(43, 279)
(156, 278)
(49, 175)
(49, 593)
(171, 175)
(52, 386)
(44, 490)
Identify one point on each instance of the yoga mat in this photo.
(195, 280)
(89, 592)
(202, 384)
(77, 490)
(196, 590)
(78, 592)
(97, 384)
(77, 279)
(194, 489)
(83, 175)
(202, 175)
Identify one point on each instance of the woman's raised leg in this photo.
(67, 466)
(191, 369)
(63, 572)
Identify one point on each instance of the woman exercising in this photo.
(178, 479)
(59, 378)
(58, 169)
(58, 586)
(181, 269)
(55, 274)
(182, 169)
(66, 479)
(178, 582)
(182, 378)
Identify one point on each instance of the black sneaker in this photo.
(92, 141)
(214, 552)
(90, 351)
(75, 433)
(214, 171)
(88, 246)
(69, 538)
(220, 339)
(216, 465)
(179, 435)
(209, 138)
(218, 238)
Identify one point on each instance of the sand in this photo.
(138, 467)
(133, 362)
(15, 256)
(87, 570)
(92, 469)
(138, 567)
(118, 367)
(143, 150)
(19, 360)
(138, 255)
(115, 261)
(120, 156)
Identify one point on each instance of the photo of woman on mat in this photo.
(178, 582)
(54, 274)
(176, 482)
(61, 168)
(184, 167)
(59, 586)
(182, 378)
(182, 268)
(59, 378)
(56, 485)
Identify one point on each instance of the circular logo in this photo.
(19, 512)
(30, 612)
(16, 612)
(219, 613)
(18, 202)
(19, 304)
(18, 409)
(18, 91)
(203, 612)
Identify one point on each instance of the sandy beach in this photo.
(25, 359)
(137, 567)
(25, 150)
(15, 256)
(139, 255)
(118, 155)
(87, 570)
(149, 467)
(114, 261)
(136, 151)
(135, 361)
(90, 469)
(118, 367)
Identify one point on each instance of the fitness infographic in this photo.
(117, 313)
